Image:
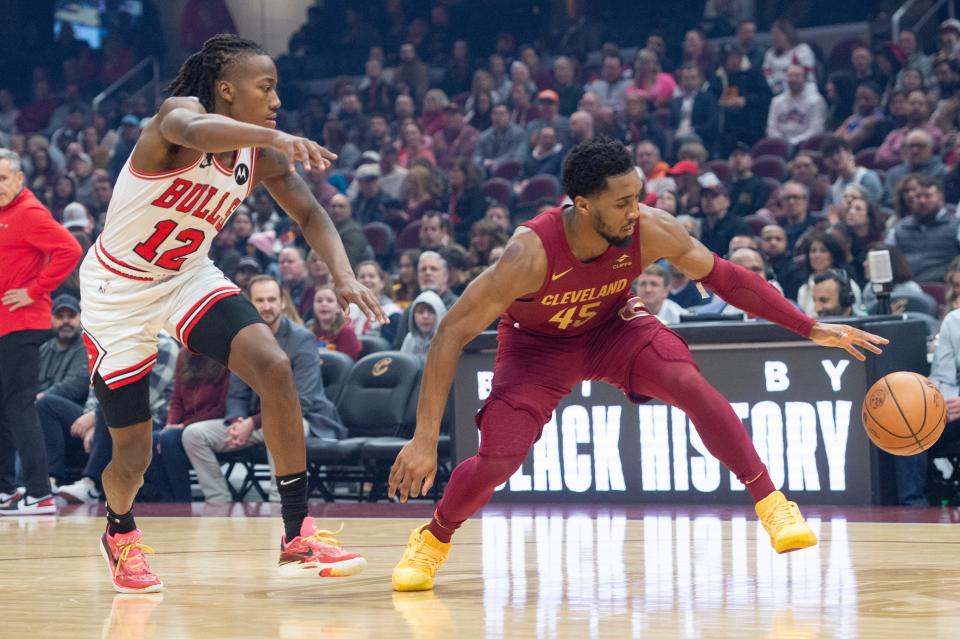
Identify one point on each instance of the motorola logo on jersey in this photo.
(241, 174)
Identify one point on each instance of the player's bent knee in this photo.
(272, 369)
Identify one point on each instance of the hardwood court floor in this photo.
(512, 573)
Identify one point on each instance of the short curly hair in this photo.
(590, 163)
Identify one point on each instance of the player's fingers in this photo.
(377, 309)
(850, 348)
(327, 153)
(405, 488)
(315, 155)
(870, 346)
(428, 482)
(304, 154)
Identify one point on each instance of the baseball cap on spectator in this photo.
(75, 215)
(951, 24)
(249, 263)
(740, 147)
(130, 120)
(548, 95)
(65, 300)
(684, 167)
(367, 172)
(369, 156)
(710, 182)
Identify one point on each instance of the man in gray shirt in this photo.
(241, 426)
(501, 142)
(930, 236)
(64, 382)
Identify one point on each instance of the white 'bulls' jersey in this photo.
(160, 224)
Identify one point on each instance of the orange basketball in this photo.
(904, 413)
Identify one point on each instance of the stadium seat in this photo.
(409, 237)
(813, 143)
(770, 146)
(720, 168)
(372, 344)
(499, 189)
(508, 170)
(373, 403)
(254, 461)
(770, 166)
(378, 453)
(909, 302)
(936, 290)
(867, 157)
(334, 368)
(539, 188)
(380, 238)
(884, 165)
(757, 221)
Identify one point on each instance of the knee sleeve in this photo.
(506, 432)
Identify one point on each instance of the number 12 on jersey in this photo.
(584, 312)
(171, 259)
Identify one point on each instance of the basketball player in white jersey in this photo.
(195, 162)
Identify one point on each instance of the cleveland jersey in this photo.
(160, 224)
(575, 296)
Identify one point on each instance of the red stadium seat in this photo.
(770, 166)
(539, 188)
(757, 221)
(720, 168)
(867, 157)
(508, 170)
(379, 236)
(770, 146)
(936, 290)
(813, 143)
(409, 237)
(499, 189)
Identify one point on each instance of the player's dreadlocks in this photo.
(201, 70)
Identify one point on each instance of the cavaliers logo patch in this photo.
(382, 366)
(241, 174)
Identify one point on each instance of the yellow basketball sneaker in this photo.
(783, 522)
(420, 562)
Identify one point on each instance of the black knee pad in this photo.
(124, 406)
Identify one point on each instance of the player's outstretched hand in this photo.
(303, 150)
(415, 465)
(848, 338)
(353, 292)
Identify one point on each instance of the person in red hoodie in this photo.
(38, 253)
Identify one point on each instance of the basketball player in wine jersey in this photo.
(195, 162)
(562, 292)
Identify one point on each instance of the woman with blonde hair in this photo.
(421, 193)
(649, 80)
(372, 275)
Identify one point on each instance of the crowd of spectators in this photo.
(791, 163)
